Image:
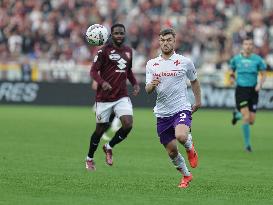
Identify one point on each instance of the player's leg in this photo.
(252, 117)
(236, 116)
(166, 133)
(122, 133)
(115, 125)
(103, 112)
(252, 107)
(112, 116)
(124, 110)
(243, 96)
(182, 124)
(246, 127)
(183, 135)
(253, 104)
(95, 138)
(179, 162)
(105, 136)
(176, 158)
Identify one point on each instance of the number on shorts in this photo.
(182, 116)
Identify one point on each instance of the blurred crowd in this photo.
(208, 31)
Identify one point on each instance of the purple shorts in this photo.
(166, 125)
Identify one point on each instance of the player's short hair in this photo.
(247, 38)
(166, 31)
(117, 25)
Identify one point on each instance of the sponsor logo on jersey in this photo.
(121, 65)
(166, 74)
(114, 56)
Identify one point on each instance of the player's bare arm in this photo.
(232, 78)
(94, 85)
(197, 95)
(136, 89)
(151, 86)
(98, 80)
(133, 81)
(261, 81)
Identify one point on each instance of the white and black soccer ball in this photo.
(96, 35)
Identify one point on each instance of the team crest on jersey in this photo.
(114, 56)
(128, 54)
(95, 58)
(177, 62)
(246, 65)
(99, 117)
(112, 51)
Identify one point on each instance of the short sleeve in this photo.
(232, 64)
(98, 60)
(262, 64)
(191, 71)
(149, 73)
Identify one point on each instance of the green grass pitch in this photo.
(42, 153)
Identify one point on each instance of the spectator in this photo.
(54, 30)
(26, 70)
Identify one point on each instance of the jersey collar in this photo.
(245, 56)
(172, 57)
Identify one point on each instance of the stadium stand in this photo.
(50, 33)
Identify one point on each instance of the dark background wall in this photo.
(82, 94)
(59, 94)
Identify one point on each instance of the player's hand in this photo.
(195, 107)
(258, 88)
(231, 81)
(155, 82)
(151, 86)
(136, 90)
(106, 86)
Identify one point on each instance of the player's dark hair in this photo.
(117, 25)
(247, 38)
(166, 31)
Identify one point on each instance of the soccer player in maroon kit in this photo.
(111, 68)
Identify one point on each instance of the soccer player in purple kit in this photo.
(111, 68)
(167, 74)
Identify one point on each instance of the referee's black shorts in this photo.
(246, 97)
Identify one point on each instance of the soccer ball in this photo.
(96, 35)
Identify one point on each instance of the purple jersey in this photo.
(113, 65)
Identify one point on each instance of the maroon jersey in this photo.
(113, 65)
